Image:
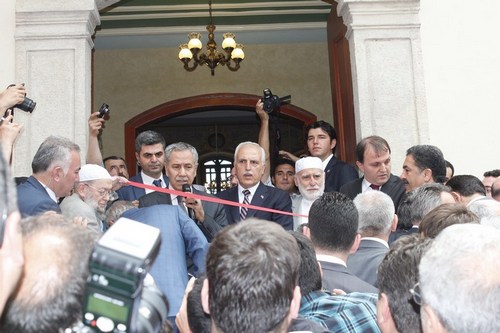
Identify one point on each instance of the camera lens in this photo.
(153, 310)
(27, 105)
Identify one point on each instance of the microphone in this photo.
(187, 188)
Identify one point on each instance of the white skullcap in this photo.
(308, 163)
(93, 172)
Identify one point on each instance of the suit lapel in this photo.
(258, 199)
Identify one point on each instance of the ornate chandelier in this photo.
(211, 57)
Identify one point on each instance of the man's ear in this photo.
(333, 143)
(355, 245)
(428, 175)
(383, 310)
(456, 196)
(57, 173)
(137, 158)
(204, 297)
(360, 166)
(295, 303)
(430, 320)
(295, 180)
(394, 224)
(306, 232)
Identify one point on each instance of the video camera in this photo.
(117, 297)
(272, 102)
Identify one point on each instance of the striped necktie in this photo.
(244, 210)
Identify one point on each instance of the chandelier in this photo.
(211, 57)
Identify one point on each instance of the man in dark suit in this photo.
(333, 229)
(150, 155)
(55, 171)
(249, 160)
(180, 238)
(321, 142)
(377, 219)
(373, 155)
(181, 165)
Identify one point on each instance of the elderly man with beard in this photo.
(310, 180)
(90, 197)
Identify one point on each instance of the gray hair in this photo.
(417, 203)
(54, 151)
(148, 138)
(180, 146)
(250, 143)
(116, 210)
(459, 278)
(376, 213)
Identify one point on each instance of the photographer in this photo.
(9, 130)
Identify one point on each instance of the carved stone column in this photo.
(386, 64)
(53, 58)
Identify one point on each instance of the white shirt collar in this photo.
(149, 181)
(365, 186)
(331, 259)
(325, 162)
(252, 190)
(378, 240)
(51, 193)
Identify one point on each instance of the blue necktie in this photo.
(157, 182)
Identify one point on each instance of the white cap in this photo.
(93, 172)
(308, 163)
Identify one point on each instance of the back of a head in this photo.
(397, 274)
(199, 321)
(54, 150)
(443, 216)
(333, 221)
(376, 213)
(420, 201)
(148, 138)
(50, 294)
(309, 272)
(429, 157)
(460, 278)
(466, 185)
(252, 272)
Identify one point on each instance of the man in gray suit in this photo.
(181, 164)
(377, 219)
(90, 197)
(333, 229)
(373, 156)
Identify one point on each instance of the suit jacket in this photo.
(215, 214)
(33, 199)
(179, 236)
(364, 263)
(131, 193)
(338, 173)
(74, 206)
(336, 276)
(393, 188)
(264, 196)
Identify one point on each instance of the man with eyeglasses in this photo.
(90, 197)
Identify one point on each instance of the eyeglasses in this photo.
(416, 294)
(102, 192)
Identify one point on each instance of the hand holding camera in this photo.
(15, 97)
(273, 102)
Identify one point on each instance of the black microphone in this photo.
(187, 188)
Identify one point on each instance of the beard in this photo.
(94, 204)
(311, 195)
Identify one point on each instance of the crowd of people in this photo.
(296, 244)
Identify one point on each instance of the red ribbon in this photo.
(210, 199)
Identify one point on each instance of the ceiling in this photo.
(166, 23)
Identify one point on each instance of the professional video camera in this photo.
(27, 104)
(117, 297)
(272, 102)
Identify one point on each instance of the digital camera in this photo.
(272, 102)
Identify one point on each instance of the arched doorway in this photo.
(215, 124)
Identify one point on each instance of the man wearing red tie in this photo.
(374, 160)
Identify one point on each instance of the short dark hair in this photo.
(309, 273)
(326, 127)
(417, 203)
(113, 157)
(466, 185)
(148, 138)
(333, 221)
(281, 161)
(493, 173)
(443, 216)
(198, 320)
(378, 144)
(429, 157)
(397, 274)
(252, 272)
(43, 303)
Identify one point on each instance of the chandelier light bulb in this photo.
(238, 52)
(228, 42)
(184, 52)
(194, 41)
